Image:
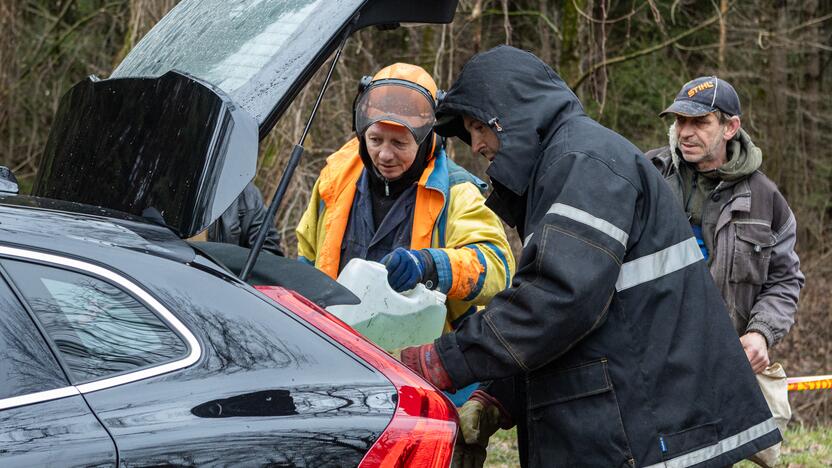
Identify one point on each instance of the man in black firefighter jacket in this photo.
(612, 346)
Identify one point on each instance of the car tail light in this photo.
(423, 429)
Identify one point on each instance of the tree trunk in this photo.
(545, 35)
(723, 34)
(569, 63)
(777, 108)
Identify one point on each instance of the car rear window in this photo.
(253, 50)
(26, 363)
(99, 329)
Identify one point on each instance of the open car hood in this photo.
(173, 133)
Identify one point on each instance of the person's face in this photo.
(703, 139)
(483, 139)
(392, 149)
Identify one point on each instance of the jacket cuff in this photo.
(453, 360)
(763, 329)
(442, 267)
(429, 274)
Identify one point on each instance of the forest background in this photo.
(626, 60)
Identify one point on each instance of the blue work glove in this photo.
(407, 268)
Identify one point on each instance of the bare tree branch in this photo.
(537, 14)
(643, 52)
(608, 21)
(506, 22)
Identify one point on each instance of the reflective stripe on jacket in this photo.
(617, 344)
(465, 238)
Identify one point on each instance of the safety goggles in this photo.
(396, 102)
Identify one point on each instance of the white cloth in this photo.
(774, 385)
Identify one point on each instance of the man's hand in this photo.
(425, 361)
(756, 350)
(479, 419)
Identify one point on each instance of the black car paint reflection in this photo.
(302, 402)
(327, 407)
(263, 403)
(249, 347)
(60, 432)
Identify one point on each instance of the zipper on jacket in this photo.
(386, 188)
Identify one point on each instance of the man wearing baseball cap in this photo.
(742, 223)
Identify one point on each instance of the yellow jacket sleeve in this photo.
(476, 262)
(308, 227)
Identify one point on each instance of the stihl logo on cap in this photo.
(700, 87)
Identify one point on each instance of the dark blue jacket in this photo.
(615, 341)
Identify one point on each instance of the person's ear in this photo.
(731, 127)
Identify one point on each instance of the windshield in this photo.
(254, 50)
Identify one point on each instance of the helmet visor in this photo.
(398, 104)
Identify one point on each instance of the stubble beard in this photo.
(710, 153)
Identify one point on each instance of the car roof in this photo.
(86, 232)
(121, 242)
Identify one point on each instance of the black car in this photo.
(122, 343)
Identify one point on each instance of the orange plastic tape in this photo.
(814, 382)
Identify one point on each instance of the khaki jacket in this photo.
(750, 231)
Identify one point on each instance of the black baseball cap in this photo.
(704, 95)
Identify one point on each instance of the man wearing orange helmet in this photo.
(392, 195)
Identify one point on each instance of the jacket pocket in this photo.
(575, 420)
(752, 253)
(676, 444)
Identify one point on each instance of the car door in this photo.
(105, 336)
(44, 421)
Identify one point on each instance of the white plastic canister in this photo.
(391, 320)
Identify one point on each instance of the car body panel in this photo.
(252, 349)
(62, 432)
(253, 50)
(72, 227)
(45, 222)
(266, 389)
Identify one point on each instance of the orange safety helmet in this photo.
(400, 94)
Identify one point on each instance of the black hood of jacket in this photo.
(523, 100)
